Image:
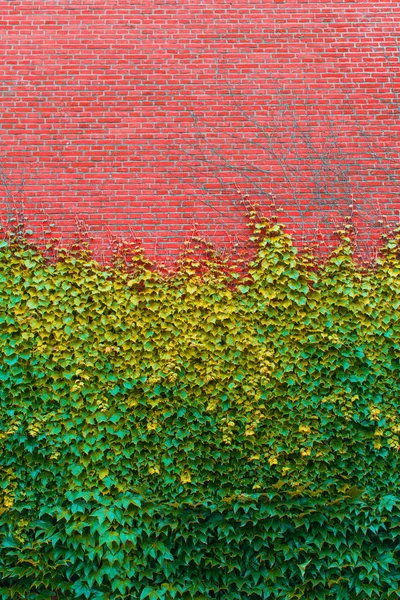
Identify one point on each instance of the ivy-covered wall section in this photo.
(200, 435)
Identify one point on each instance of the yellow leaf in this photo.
(103, 473)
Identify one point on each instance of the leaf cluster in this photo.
(200, 435)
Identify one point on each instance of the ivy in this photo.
(202, 433)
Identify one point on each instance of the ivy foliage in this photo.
(201, 434)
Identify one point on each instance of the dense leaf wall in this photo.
(200, 436)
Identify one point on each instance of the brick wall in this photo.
(145, 118)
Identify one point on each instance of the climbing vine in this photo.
(201, 434)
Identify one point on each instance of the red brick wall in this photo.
(143, 118)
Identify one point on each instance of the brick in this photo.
(140, 116)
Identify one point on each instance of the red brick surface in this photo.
(143, 118)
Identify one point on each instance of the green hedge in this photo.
(200, 435)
